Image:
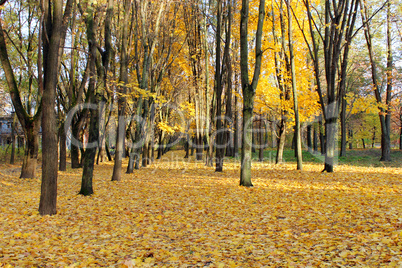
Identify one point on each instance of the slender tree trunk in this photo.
(281, 141)
(13, 130)
(93, 130)
(249, 90)
(193, 141)
(386, 149)
(109, 156)
(294, 87)
(62, 149)
(343, 128)
(273, 134)
(315, 139)
(200, 147)
(384, 113)
(218, 90)
(400, 138)
(262, 145)
(350, 139)
(236, 130)
(160, 145)
(75, 151)
(145, 135)
(309, 144)
(187, 147)
(253, 143)
(322, 138)
(121, 124)
(373, 139)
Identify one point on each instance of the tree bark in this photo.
(249, 90)
(62, 149)
(262, 142)
(13, 130)
(315, 139)
(236, 128)
(350, 139)
(298, 144)
(343, 128)
(121, 124)
(30, 124)
(309, 144)
(218, 89)
(281, 141)
(53, 36)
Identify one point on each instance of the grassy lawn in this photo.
(356, 157)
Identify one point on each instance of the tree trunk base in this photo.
(28, 170)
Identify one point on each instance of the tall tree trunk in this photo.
(386, 149)
(121, 124)
(385, 130)
(294, 87)
(249, 90)
(54, 34)
(218, 89)
(93, 132)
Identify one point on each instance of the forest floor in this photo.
(178, 213)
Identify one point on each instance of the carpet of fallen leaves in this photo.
(179, 213)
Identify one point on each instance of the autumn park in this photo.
(220, 133)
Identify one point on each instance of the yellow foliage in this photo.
(268, 94)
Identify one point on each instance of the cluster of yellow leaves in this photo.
(179, 212)
(164, 126)
(363, 104)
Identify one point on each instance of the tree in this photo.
(384, 106)
(249, 89)
(54, 30)
(339, 23)
(294, 88)
(223, 76)
(29, 121)
(97, 83)
(123, 79)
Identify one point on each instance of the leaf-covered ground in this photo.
(183, 214)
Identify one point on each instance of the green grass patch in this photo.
(356, 157)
